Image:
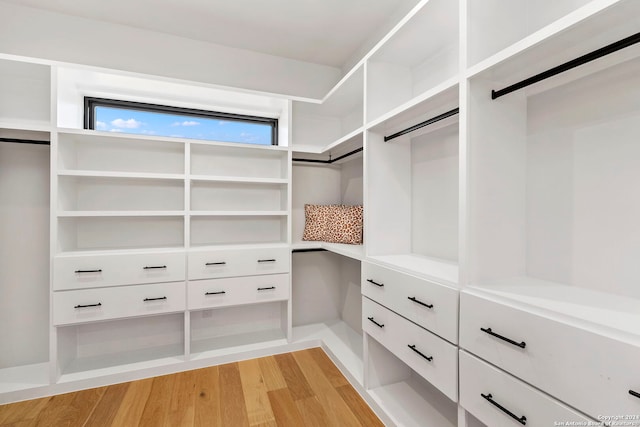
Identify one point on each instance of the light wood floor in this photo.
(303, 388)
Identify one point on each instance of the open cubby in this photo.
(340, 114)
(230, 329)
(240, 230)
(237, 196)
(551, 192)
(122, 345)
(111, 233)
(26, 93)
(84, 151)
(240, 162)
(119, 194)
(413, 193)
(419, 56)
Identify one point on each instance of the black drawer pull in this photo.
(266, 260)
(417, 301)
(216, 263)
(634, 393)
(522, 420)
(413, 347)
(379, 325)
(375, 283)
(215, 293)
(154, 299)
(266, 289)
(510, 341)
(88, 305)
(155, 267)
(89, 271)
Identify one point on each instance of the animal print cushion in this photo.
(333, 223)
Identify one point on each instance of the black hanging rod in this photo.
(423, 124)
(592, 56)
(330, 161)
(25, 141)
(297, 251)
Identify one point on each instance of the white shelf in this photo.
(26, 125)
(238, 213)
(205, 248)
(350, 251)
(133, 175)
(613, 314)
(406, 405)
(441, 270)
(155, 250)
(239, 343)
(85, 214)
(239, 179)
(24, 377)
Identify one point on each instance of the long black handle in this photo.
(522, 420)
(266, 260)
(417, 301)
(89, 271)
(510, 341)
(380, 325)
(88, 305)
(154, 299)
(155, 267)
(634, 393)
(266, 289)
(216, 263)
(375, 283)
(413, 347)
(215, 293)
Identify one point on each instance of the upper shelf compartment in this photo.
(25, 93)
(420, 56)
(317, 127)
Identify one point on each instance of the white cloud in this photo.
(186, 123)
(248, 137)
(115, 130)
(148, 132)
(176, 136)
(101, 125)
(126, 124)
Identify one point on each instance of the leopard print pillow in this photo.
(345, 225)
(333, 223)
(315, 221)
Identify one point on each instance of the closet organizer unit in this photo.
(25, 132)
(553, 233)
(328, 169)
(409, 282)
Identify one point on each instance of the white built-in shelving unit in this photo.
(496, 279)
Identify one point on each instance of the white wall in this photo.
(42, 34)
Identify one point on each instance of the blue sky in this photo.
(180, 126)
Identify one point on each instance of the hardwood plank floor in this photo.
(303, 388)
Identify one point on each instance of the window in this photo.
(138, 118)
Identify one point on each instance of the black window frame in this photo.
(90, 104)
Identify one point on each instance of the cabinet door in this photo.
(213, 264)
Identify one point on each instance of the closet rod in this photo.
(592, 56)
(423, 124)
(330, 161)
(295, 251)
(25, 141)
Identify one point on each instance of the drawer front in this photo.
(430, 356)
(237, 262)
(94, 271)
(430, 305)
(483, 387)
(237, 290)
(90, 305)
(590, 372)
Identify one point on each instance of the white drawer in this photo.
(214, 264)
(237, 291)
(89, 305)
(591, 372)
(430, 356)
(431, 305)
(93, 271)
(483, 388)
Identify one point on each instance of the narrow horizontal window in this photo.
(137, 118)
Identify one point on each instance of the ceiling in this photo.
(327, 32)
